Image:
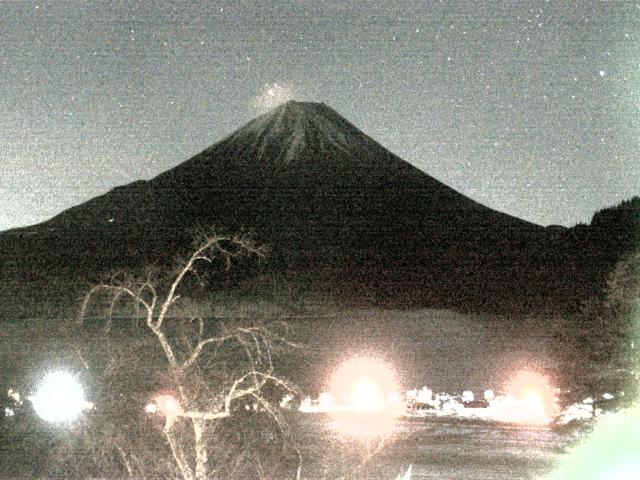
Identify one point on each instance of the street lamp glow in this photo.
(60, 398)
(365, 383)
(529, 400)
(366, 391)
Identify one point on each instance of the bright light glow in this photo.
(273, 94)
(609, 452)
(15, 396)
(366, 397)
(365, 389)
(628, 471)
(533, 399)
(168, 405)
(364, 383)
(325, 400)
(394, 398)
(60, 398)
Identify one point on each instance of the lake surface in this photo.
(439, 448)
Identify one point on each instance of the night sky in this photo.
(531, 108)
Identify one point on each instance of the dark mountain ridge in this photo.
(325, 197)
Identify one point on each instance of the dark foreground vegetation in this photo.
(597, 333)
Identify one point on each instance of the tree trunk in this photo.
(199, 427)
(178, 455)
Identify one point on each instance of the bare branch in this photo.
(116, 291)
(209, 392)
(205, 415)
(197, 350)
(125, 461)
(178, 455)
(166, 347)
(114, 300)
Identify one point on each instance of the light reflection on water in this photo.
(444, 448)
(363, 425)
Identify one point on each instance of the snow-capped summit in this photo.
(294, 126)
(302, 145)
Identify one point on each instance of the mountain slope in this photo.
(320, 192)
(303, 170)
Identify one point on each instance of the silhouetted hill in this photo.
(588, 253)
(327, 199)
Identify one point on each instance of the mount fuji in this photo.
(323, 195)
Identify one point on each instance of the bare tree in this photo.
(215, 369)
